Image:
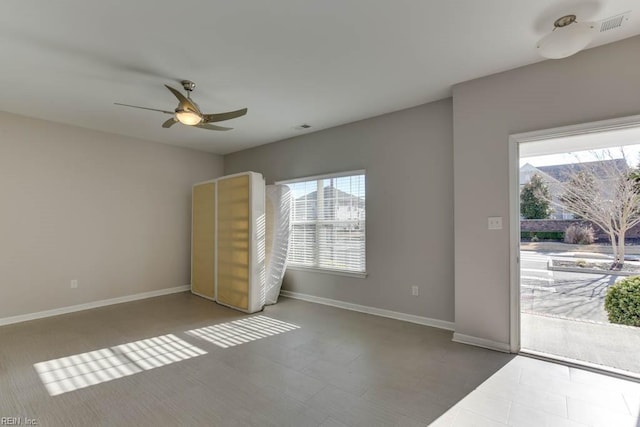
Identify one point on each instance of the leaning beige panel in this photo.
(203, 240)
(233, 241)
(240, 245)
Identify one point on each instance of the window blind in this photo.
(328, 217)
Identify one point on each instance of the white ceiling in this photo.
(290, 62)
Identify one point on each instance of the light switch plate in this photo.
(495, 223)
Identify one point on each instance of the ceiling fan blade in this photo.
(211, 127)
(172, 121)
(210, 118)
(144, 108)
(185, 103)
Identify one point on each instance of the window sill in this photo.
(328, 271)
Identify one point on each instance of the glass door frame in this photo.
(514, 201)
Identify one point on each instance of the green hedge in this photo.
(543, 235)
(623, 302)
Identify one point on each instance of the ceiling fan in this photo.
(188, 113)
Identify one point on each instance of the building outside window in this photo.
(328, 222)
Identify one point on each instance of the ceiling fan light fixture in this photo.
(187, 117)
(567, 38)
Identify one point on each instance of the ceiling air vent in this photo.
(614, 22)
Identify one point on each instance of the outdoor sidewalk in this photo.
(586, 256)
(608, 345)
(569, 248)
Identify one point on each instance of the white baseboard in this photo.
(441, 324)
(481, 342)
(90, 305)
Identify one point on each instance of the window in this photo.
(328, 222)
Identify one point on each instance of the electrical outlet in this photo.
(415, 291)
(74, 284)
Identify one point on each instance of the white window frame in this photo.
(317, 269)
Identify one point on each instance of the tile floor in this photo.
(334, 368)
(531, 392)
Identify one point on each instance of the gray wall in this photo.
(596, 84)
(408, 158)
(112, 212)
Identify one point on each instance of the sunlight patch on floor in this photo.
(241, 331)
(83, 370)
(533, 392)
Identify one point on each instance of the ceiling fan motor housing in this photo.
(188, 85)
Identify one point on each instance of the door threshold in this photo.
(587, 366)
